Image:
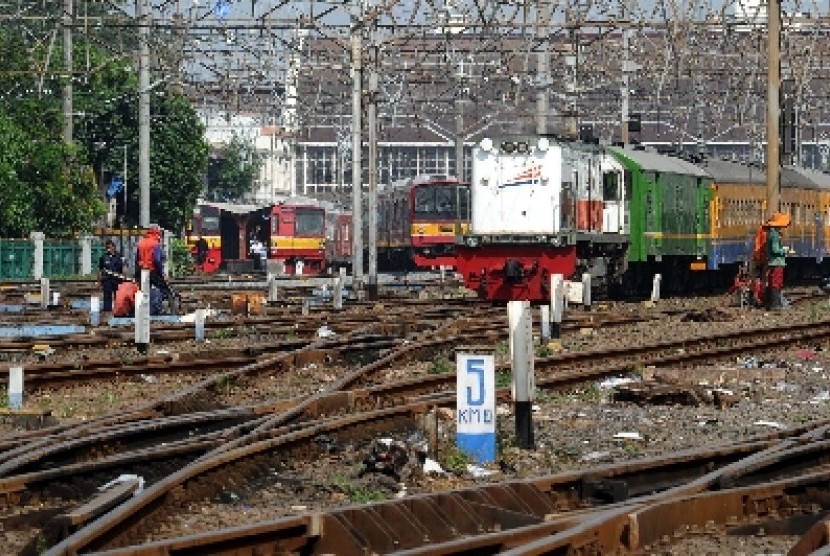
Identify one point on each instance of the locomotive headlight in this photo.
(486, 144)
(543, 144)
(472, 242)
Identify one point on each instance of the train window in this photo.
(424, 201)
(445, 201)
(309, 222)
(210, 224)
(610, 186)
(464, 195)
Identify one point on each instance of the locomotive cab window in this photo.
(309, 222)
(611, 186)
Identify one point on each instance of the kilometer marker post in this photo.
(475, 415)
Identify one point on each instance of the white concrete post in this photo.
(524, 383)
(37, 264)
(16, 388)
(85, 264)
(557, 303)
(199, 321)
(94, 311)
(142, 313)
(337, 293)
(544, 312)
(306, 306)
(273, 291)
(655, 288)
(586, 291)
(44, 292)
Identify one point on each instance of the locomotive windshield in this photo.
(309, 222)
(438, 201)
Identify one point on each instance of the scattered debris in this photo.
(595, 456)
(126, 478)
(477, 471)
(432, 466)
(771, 424)
(616, 381)
(325, 332)
(628, 436)
(387, 456)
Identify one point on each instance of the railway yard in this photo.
(685, 426)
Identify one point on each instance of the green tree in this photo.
(16, 210)
(57, 188)
(232, 171)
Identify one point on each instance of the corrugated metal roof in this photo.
(654, 162)
(821, 180)
(727, 171)
(790, 177)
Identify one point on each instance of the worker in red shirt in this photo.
(149, 255)
(125, 299)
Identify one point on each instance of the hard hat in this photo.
(779, 220)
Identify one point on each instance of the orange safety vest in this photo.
(145, 252)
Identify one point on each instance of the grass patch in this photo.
(439, 366)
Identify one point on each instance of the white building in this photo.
(276, 175)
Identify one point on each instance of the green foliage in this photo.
(58, 188)
(543, 351)
(455, 461)
(181, 259)
(232, 171)
(439, 366)
(224, 384)
(504, 379)
(223, 333)
(359, 494)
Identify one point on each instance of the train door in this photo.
(612, 215)
(229, 230)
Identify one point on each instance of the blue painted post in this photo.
(476, 405)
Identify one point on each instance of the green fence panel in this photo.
(97, 251)
(61, 259)
(16, 259)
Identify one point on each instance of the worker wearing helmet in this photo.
(776, 260)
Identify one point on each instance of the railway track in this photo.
(378, 409)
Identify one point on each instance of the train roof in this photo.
(233, 208)
(729, 171)
(655, 162)
(820, 180)
(792, 177)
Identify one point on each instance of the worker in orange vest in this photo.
(149, 255)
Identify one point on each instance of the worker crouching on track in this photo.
(776, 260)
(125, 300)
